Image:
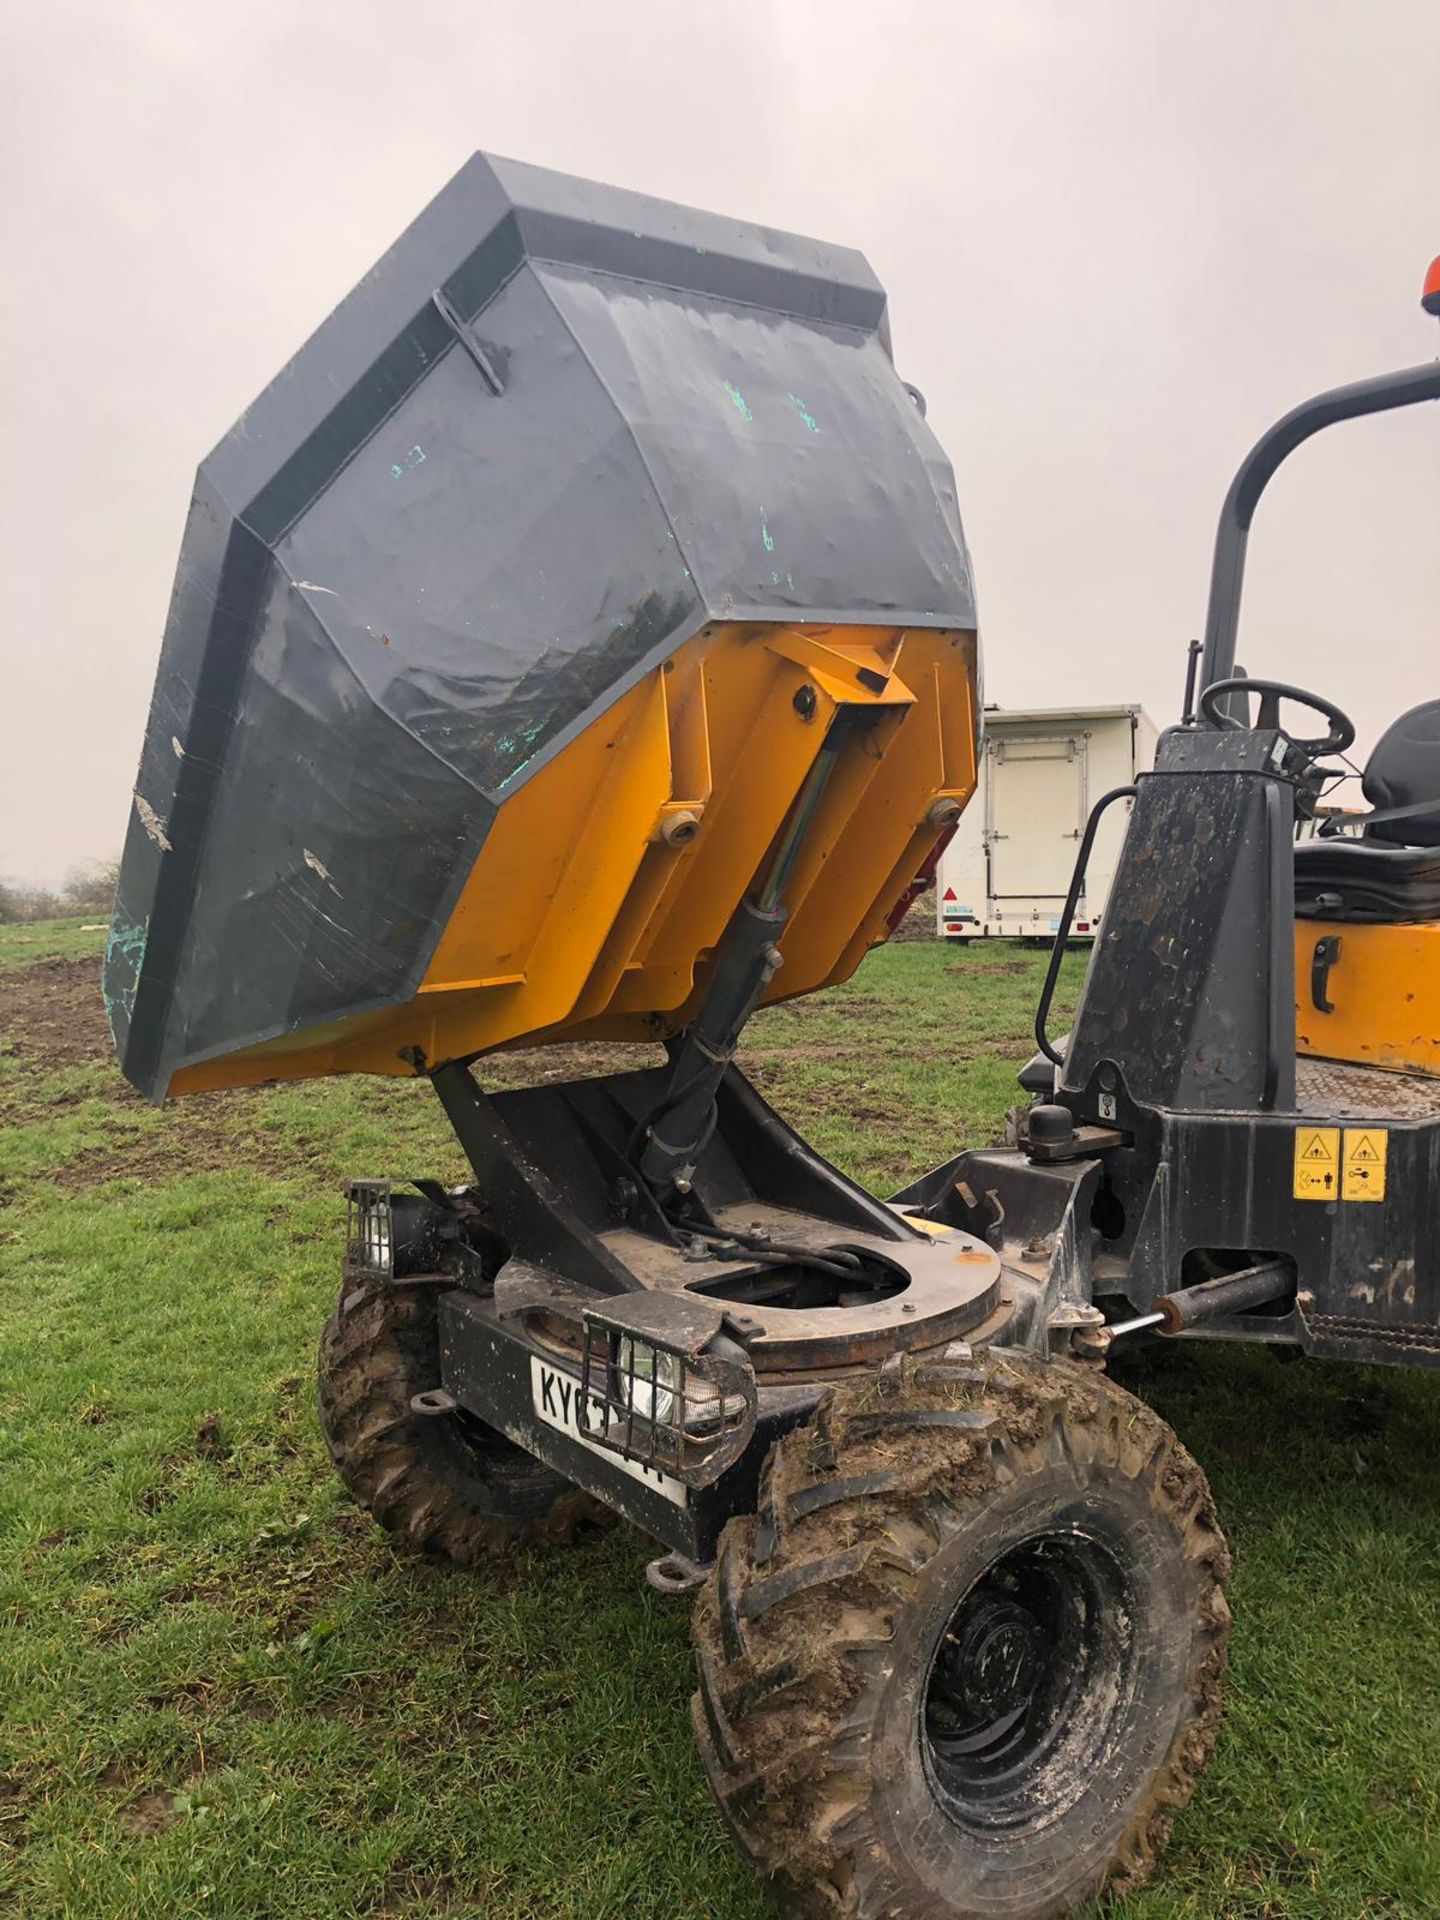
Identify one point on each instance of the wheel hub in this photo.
(1033, 1663)
(993, 1663)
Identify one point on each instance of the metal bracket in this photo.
(1068, 1318)
(673, 1573)
(1327, 952)
(1083, 1144)
(465, 335)
(433, 1402)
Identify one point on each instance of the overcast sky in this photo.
(1119, 237)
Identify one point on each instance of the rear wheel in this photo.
(444, 1484)
(966, 1659)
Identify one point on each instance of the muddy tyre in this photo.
(965, 1661)
(445, 1485)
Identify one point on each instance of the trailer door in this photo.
(1038, 794)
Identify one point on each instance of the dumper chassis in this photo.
(959, 1613)
(936, 1555)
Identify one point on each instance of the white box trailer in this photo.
(1007, 870)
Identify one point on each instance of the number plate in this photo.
(557, 1399)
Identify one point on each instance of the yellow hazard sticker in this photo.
(1363, 1175)
(1317, 1163)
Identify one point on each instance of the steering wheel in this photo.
(1272, 692)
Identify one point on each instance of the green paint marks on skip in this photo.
(803, 411)
(765, 533)
(512, 743)
(414, 458)
(124, 957)
(738, 401)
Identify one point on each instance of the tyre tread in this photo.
(786, 1761)
(378, 1349)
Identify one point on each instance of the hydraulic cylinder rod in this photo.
(676, 1132)
(1258, 1286)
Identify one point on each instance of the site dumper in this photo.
(577, 641)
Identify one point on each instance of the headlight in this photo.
(647, 1381)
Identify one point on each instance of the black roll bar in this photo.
(1227, 574)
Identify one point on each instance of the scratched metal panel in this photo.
(401, 591)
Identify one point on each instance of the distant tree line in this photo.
(86, 889)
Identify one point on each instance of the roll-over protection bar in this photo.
(1227, 574)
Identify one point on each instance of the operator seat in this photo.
(1392, 873)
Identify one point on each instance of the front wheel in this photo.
(446, 1485)
(965, 1661)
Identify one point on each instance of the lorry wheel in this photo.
(444, 1484)
(966, 1658)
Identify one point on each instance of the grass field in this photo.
(223, 1695)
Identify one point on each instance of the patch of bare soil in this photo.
(406, 1892)
(919, 920)
(52, 1018)
(150, 1813)
(1004, 966)
(801, 1050)
(578, 1060)
(52, 1012)
(155, 1157)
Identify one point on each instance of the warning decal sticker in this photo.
(1363, 1177)
(1317, 1163)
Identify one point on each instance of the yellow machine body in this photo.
(1384, 988)
(609, 877)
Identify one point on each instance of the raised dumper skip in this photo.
(577, 640)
